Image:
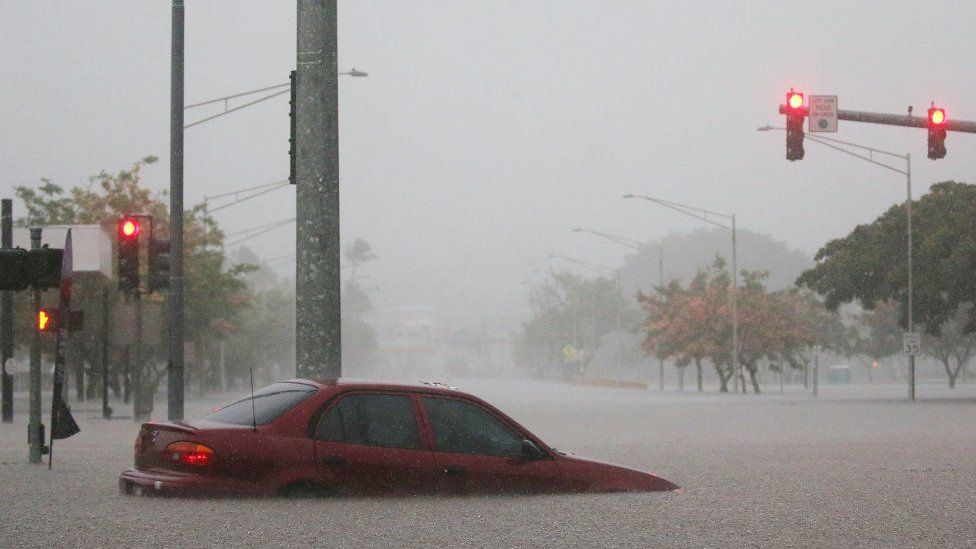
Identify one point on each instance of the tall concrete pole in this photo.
(7, 321)
(175, 301)
(318, 333)
(35, 439)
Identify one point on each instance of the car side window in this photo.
(371, 420)
(464, 428)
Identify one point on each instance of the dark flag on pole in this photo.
(63, 425)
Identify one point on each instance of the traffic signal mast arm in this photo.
(907, 120)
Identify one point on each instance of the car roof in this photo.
(348, 384)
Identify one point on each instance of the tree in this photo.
(692, 323)
(570, 310)
(869, 264)
(880, 335)
(952, 344)
(215, 291)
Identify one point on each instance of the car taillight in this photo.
(190, 453)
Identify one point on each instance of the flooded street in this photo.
(858, 467)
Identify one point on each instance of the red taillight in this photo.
(190, 453)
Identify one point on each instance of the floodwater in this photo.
(857, 467)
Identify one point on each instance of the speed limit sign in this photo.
(911, 342)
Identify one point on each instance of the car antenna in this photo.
(254, 417)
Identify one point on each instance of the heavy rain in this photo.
(490, 273)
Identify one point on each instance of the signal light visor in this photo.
(190, 453)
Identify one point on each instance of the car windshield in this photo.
(270, 403)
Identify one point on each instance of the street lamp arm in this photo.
(866, 158)
(236, 95)
(621, 240)
(228, 111)
(588, 264)
(697, 213)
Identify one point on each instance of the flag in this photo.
(63, 425)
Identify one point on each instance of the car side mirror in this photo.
(530, 451)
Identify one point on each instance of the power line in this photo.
(258, 233)
(248, 197)
(244, 190)
(259, 227)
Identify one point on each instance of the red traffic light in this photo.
(794, 100)
(129, 228)
(937, 116)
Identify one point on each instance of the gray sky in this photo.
(486, 130)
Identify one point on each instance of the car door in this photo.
(478, 452)
(370, 443)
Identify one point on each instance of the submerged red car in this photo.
(340, 437)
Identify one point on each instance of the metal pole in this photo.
(140, 398)
(175, 301)
(911, 324)
(736, 367)
(106, 411)
(318, 331)
(7, 321)
(35, 439)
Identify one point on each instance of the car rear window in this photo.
(270, 403)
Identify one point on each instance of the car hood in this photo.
(593, 475)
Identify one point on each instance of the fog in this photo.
(487, 130)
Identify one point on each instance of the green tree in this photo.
(952, 347)
(572, 310)
(215, 291)
(869, 264)
(879, 334)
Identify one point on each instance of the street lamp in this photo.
(634, 245)
(703, 214)
(354, 72)
(907, 172)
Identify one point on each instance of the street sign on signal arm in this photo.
(823, 113)
(911, 343)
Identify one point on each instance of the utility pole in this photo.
(317, 330)
(7, 321)
(35, 436)
(175, 298)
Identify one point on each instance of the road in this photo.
(858, 467)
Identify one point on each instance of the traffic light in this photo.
(128, 244)
(20, 269)
(937, 132)
(48, 320)
(292, 135)
(795, 114)
(158, 264)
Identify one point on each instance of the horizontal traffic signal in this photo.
(20, 269)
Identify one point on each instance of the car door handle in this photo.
(455, 470)
(334, 460)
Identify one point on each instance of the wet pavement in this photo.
(857, 467)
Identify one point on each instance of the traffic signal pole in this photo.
(838, 145)
(909, 120)
(7, 321)
(318, 331)
(35, 438)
